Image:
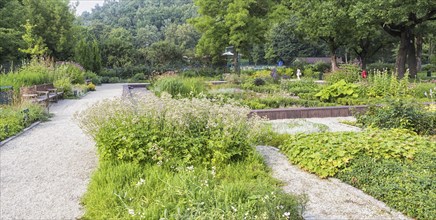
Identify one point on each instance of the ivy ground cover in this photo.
(395, 166)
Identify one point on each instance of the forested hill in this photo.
(135, 14)
(130, 31)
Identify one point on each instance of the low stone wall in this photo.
(319, 112)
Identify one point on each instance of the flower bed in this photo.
(180, 158)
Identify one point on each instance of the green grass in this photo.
(242, 190)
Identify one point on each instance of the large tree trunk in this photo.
(334, 61)
(363, 62)
(333, 58)
(411, 55)
(402, 55)
(419, 42)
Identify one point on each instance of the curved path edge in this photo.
(45, 171)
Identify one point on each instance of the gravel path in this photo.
(45, 171)
(326, 198)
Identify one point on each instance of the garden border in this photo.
(19, 133)
(314, 112)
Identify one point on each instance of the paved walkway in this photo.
(45, 171)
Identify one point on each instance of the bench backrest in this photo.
(28, 90)
(44, 87)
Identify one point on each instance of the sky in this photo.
(86, 5)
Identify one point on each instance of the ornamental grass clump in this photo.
(170, 132)
(179, 86)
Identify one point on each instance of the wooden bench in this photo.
(44, 93)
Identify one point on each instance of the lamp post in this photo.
(230, 51)
(227, 55)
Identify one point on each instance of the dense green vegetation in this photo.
(120, 39)
(395, 166)
(387, 160)
(15, 119)
(66, 77)
(179, 158)
(191, 155)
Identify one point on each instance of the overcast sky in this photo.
(86, 5)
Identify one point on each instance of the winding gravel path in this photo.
(326, 198)
(45, 171)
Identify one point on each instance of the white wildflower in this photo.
(131, 212)
(287, 214)
(213, 172)
(190, 168)
(140, 182)
(233, 208)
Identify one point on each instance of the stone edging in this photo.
(19, 133)
(318, 112)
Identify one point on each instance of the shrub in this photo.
(179, 86)
(399, 114)
(168, 131)
(71, 72)
(91, 87)
(338, 90)
(348, 73)
(64, 85)
(384, 84)
(321, 67)
(300, 86)
(95, 79)
(309, 72)
(139, 77)
(286, 73)
(113, 80)
(259, 82)
(299, 64)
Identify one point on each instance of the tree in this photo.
(35, 44)
(164, 54)
(327, 20)
(11, 30)
(367, 41)
(118, 48)
(87, 53)
(400, 19)
(145, 22)
(53, 22)
(238, 23)
(146, 36)
(284, 43)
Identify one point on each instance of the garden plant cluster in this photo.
(186, 158)
(392, 159)
(66, 77)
